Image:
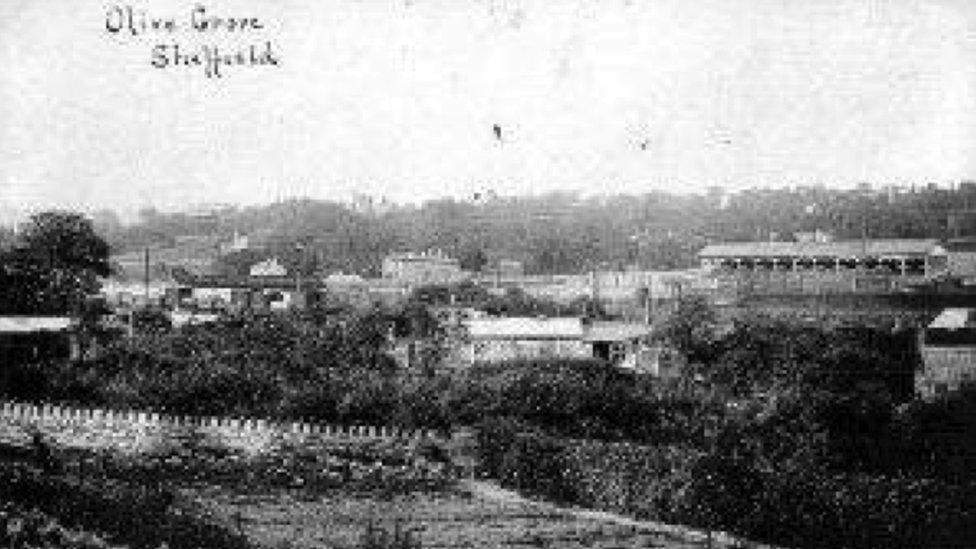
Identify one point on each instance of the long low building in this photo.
(904, 257)
(623, 344)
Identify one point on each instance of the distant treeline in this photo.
(556, 232)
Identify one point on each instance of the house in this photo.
(237, 244)
(253, 293)
(36, 338)
(814, 236)
(962, 257)
(135, 293)
(622, 344)
(268, 267)
(422, 269)
(499, 339)
(948, 348)
(348, 289)
(503, 271)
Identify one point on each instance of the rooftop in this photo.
(954, 319)
(844, 248)
(554, 328)
(31, 324)
(525, 328)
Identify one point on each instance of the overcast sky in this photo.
(401, 99)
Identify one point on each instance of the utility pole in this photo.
(864, 235)
(298, 269)
(146, 279)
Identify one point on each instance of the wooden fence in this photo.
(131, 430)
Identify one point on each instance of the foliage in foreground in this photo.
(22, 528)
(787, 422)
(126, 512)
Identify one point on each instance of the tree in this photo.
(473, 259)
(53, 266)
(691, 328)
(588, 307)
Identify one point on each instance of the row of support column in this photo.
(836, 263)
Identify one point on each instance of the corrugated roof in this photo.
(954, 319)
(846, 248)
(525, 328)
(30, 324)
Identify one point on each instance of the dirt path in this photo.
(475, 514)
(678, 534)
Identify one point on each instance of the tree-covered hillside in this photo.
(559, 232)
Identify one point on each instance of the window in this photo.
(618, 352)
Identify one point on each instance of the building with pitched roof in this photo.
(948, 346)
(268, 267)
(423, 268)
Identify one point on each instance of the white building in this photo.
(625, 345)
(238, 243)
(268, 267)
(423, 268)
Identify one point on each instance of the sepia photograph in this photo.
(445, 274)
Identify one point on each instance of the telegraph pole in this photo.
(146, 272)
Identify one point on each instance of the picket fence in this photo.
(136, 431)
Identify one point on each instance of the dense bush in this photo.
(271, 366)
(937, 438)
(792, 504)
(817, 509)
(128, 513)
(792, 434)
(584, 399)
